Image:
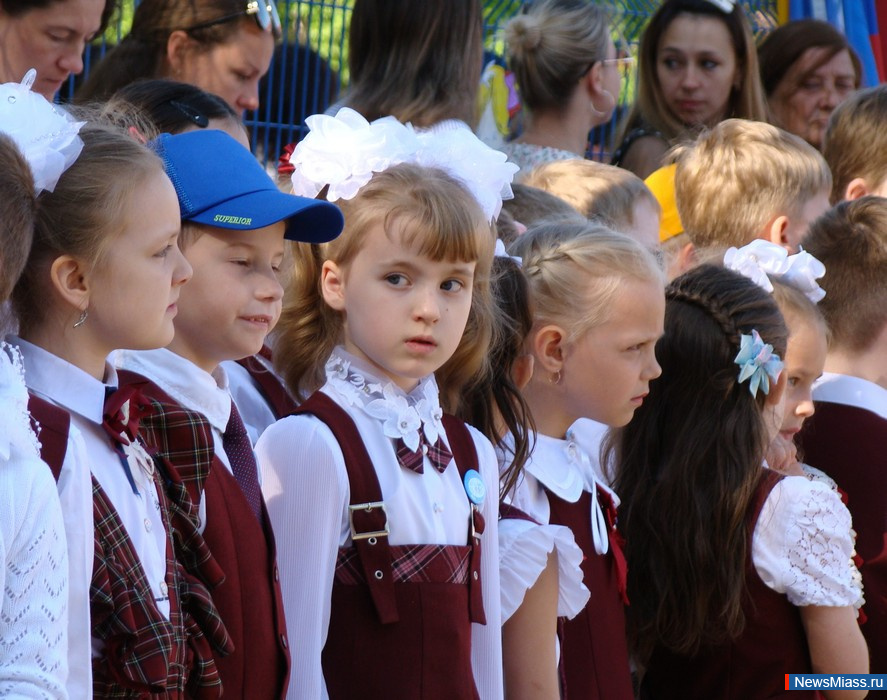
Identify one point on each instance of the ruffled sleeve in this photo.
(524, 547)
(803, 545)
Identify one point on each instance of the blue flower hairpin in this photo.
(757, 362)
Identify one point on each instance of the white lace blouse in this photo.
(33, 554)
(307, 493)
(803, 545)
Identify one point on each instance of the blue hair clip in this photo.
(757, 362)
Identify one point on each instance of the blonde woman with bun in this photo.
(568, 77)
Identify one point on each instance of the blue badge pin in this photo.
(474, 487)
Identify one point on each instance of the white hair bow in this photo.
(44, 133)
(345, 150)
(760, 260)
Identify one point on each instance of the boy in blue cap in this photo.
(234, 221)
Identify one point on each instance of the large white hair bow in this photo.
(345, 150)
(44, 133)
(760, 260)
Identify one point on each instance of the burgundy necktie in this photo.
(123, 409)
(239, 449)
(438, 453)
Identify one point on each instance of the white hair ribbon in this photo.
(760, 260)
(44, 133)
(345, 150)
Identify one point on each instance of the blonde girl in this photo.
(599, 304)
(104, 273)
(389, 562)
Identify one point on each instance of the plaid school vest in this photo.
(240, 561)
(400, 618)
(145, 655)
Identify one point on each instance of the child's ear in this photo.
(775, 231)
(686, 259)
(522, 370)
(548, 348)
(856, 188)
(68, 277)
(332, 285)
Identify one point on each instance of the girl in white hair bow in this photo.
(389, 564)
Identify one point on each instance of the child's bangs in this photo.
(432, 213)
(453, 236)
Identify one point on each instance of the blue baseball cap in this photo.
(220, 183)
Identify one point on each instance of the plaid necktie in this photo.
(438, 453)
(239, 449)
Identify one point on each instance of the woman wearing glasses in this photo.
(222, 46)
(698, 66)
(49, 36)
(568, 77)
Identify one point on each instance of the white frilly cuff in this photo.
(523, 553)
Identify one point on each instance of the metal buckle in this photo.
(474, 534)
(368, 507)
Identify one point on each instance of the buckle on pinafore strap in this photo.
(359, 508)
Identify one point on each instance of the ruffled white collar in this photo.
(557, 464)
(401, 414)
(15, 425)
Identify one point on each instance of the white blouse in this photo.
(524, 548)
(83, 396)
(33, 555)
(803, 545)
(307, 492)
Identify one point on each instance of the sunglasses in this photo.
(263, 12)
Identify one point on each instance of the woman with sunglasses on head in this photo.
(222, 46)
(697, 66)
(48, 36)
(568, 77)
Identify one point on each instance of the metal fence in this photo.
(310, 66)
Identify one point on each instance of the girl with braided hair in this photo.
(598, 308)
(738, 575)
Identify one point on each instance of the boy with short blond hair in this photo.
(743, 180)
(615, 196)
(855, 145)
(531, 204)
(846, 437)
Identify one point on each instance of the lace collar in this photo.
(15, 425)
(401, 414)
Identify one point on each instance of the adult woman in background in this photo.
(49, 36)
(698, 66)
(418, 61)
(221, 46)
(807, 69)
(568, 77)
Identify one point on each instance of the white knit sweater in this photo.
(33, 554)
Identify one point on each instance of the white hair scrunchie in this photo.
(46, 134)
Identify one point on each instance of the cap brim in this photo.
(307, 220)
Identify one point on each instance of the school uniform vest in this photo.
(400, 620)
(594, 650)
(752, 667)
(145, 655)
(248, 594)
(850, 445)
